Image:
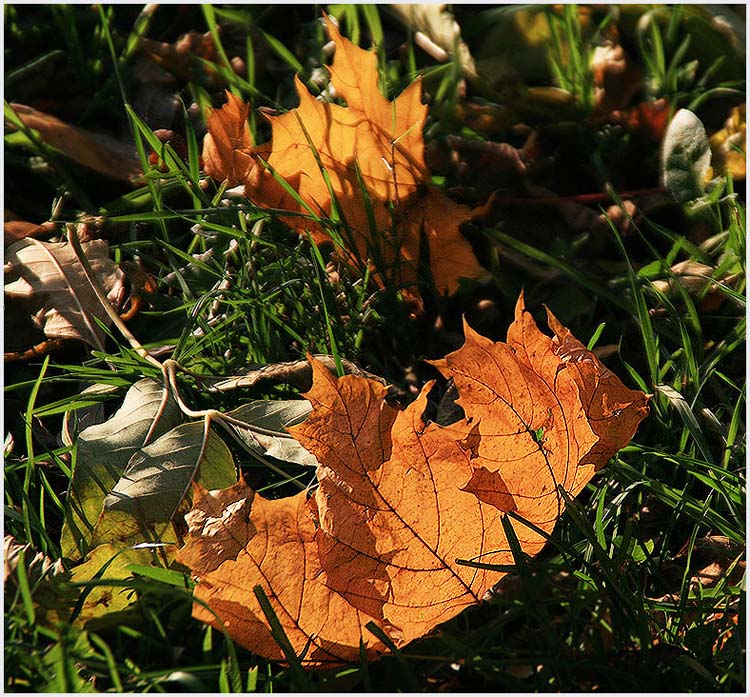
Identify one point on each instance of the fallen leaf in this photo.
(404, 509)
(16, 229)
(108, 605)
(483, 165)
(124, 494)
(493, 120)
(37, 566)
(437, 220)
(437, 25)
(614, 411)
(648, 119)
(266, 432)
(51, 597)
(145, 506)
(700, 282)
(88, 413)
(228, 144)
(96, 151)
(182, 58)
(363, 164)
(158, 476)
(552, 391)
(19, 229)
(616, 78)
(101, 455)
(728, 146)
(238, 540)
(49, 277)
(729, 620)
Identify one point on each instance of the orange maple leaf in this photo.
(363, 164)
(228, 144)
(400, 503)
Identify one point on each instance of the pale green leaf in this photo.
(101, 454)
(159, 475)
(269, 421)
(105, 604)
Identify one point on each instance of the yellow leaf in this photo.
(363, 162)
(728, 145)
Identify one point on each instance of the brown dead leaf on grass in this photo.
(48, 278)
(438, 34)
(15, 229)
(228, 143)
(96, 151)
(50, 596)
(404, 508)
(700, 283)
(616, 77)
(181, 58)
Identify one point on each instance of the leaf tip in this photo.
(520, 305)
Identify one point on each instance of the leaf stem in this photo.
(136, 345)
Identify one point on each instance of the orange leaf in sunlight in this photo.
(406, 511)
(362, 164)
(228, 143)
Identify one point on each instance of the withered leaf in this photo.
(402, 505)
(700, 283)
(15, 229)
(227, 145)
(438, 33)
(239, 540)
(728, 146)
(49, 277)
(183, 57)
(97, 151)
(363, 163)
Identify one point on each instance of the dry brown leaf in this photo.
(181, 58)
(616, 78)
(38, 565)
(51, 597)
(647, 119)
(14, 228)
(48, 277)
(234, 547)
(699, 282)
(94, 150)
(228, 143)
(372, 151)
(438, 33)
(400, 501)
(19, 229)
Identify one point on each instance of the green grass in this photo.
(609, 604)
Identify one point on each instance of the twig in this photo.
(295, 373)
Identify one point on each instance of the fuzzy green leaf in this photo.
(159, 475)
(686, 157)
(102, 453)
(275, 417)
